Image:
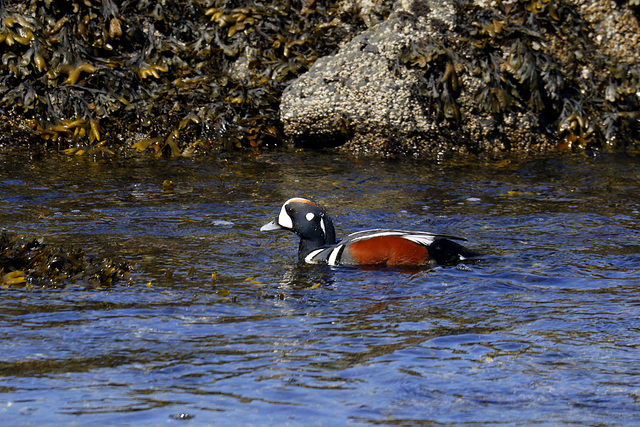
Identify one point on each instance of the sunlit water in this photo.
(218, 324)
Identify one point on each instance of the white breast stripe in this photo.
(309, 258)
(334, 255)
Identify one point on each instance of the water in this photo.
(544, 330)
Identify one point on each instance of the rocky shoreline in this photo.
(410, 78)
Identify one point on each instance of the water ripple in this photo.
(219, 323)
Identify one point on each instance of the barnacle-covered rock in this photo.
(477, 76)
(358, 91)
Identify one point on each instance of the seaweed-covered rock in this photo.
(170, 77)
(177, 77)
(477, 76)
(31, 263)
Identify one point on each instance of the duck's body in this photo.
(380, 247)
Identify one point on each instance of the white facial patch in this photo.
(284, 219)
(310, 216)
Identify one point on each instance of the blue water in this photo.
(544, 329)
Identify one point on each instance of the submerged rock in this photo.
(476, 76)
(33, 264)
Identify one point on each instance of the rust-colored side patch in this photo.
(387, 250)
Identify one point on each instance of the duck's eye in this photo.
(310, 216)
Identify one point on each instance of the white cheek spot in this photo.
(284, 219)
(310, 216)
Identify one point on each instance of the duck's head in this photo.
(308, 220)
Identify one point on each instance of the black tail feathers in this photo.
(445, 251)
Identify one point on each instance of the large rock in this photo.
(476, 77)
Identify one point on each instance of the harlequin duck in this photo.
(391, 248)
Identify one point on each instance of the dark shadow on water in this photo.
(304, 276)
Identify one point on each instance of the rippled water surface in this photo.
(218, 324)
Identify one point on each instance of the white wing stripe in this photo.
(421, 239)
(367, 235)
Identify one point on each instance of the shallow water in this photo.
(544, 330)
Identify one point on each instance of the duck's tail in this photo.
(445, 251)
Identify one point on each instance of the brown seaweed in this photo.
(33, 264)
(508, 48)
(203, 74)
(178, 77)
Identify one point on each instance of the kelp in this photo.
(187, 75)
(31, 263)
(515, 51)
(177, 77)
